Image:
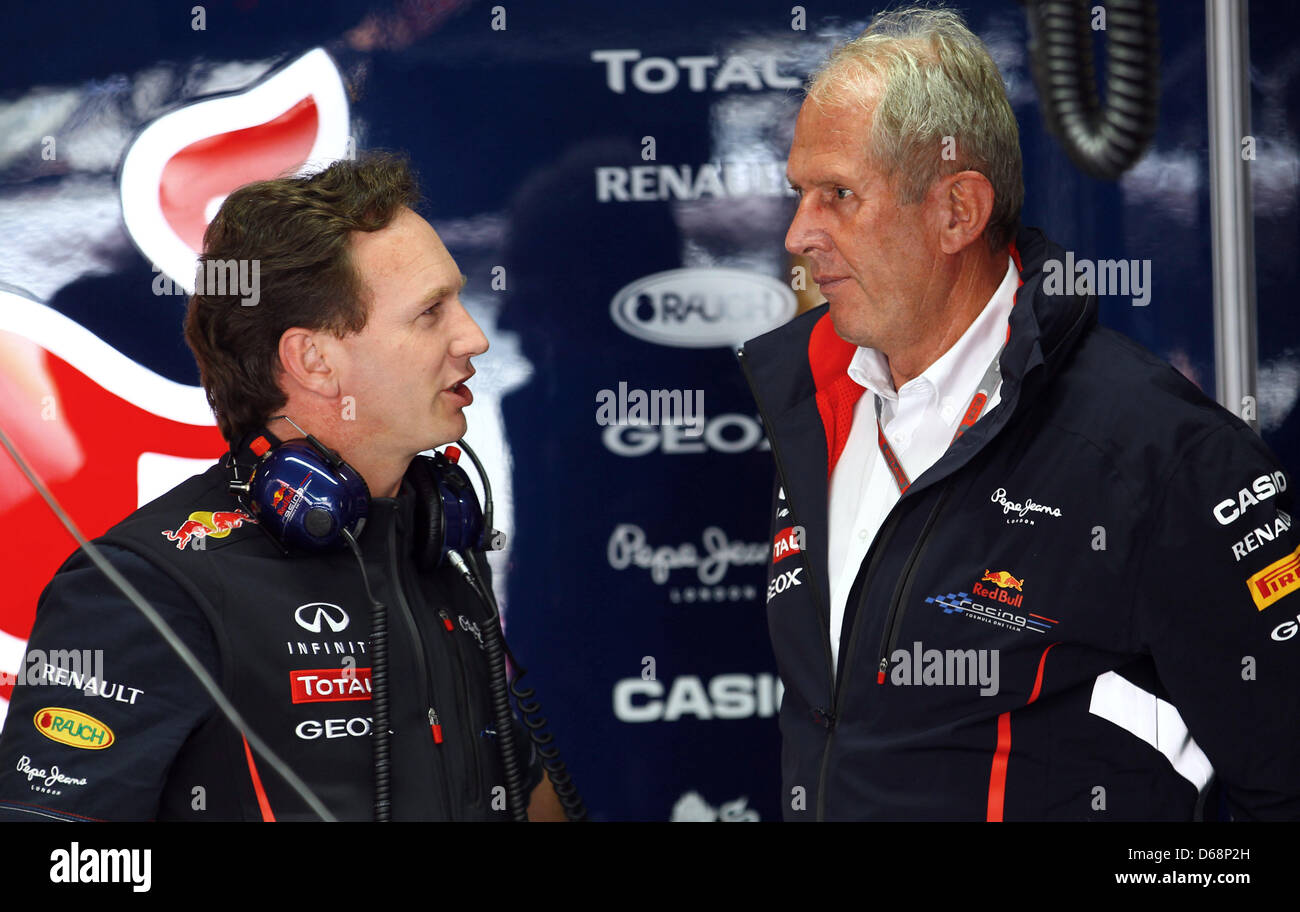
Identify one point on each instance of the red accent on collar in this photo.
(837, 393)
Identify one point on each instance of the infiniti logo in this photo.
(333, 615)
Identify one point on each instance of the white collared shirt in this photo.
(919, 422)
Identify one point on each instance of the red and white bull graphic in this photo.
(1004, 581)
(204, 523)
(105, 432)
(181, 167)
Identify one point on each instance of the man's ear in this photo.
(304, 358)
(965, 205)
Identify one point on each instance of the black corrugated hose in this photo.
(1102, 139)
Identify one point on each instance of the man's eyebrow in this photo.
(443, 290)
(822, 179)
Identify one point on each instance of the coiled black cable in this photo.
(534, 721)
(516, 800)
(1103, 140)
(379, 739)
(494, 647)
(561, 781)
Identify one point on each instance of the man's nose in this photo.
(806, 232)
(468, 340)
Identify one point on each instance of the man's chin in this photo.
(450, 432)
(849, 326)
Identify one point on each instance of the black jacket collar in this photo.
(787, 366)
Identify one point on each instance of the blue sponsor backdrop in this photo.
(577, 150)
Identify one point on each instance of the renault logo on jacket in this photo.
(311, 616)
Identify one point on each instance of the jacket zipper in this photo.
(895, 614)
(896, 610)
(462, 678)
(422, 662)
(794, 514)
(899, 605)
(878, 548)
(819, 712)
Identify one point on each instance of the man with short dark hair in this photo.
(1030, 572)
(356, 335)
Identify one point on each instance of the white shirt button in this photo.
(863, 534)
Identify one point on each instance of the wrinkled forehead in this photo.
(828, 137)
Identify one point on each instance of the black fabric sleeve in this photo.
(1217, 606)
(103, 705)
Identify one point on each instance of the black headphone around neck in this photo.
(307, 498)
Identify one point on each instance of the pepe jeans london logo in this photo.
(1018, 513)
(628, 547)
(45, 780)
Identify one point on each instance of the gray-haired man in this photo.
(1017, 588)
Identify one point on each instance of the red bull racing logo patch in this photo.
(995, 604)
(204, 523)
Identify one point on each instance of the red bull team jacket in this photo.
(1085, 610)
(107, 724)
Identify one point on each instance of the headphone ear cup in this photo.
(304, 499)
(430, 523)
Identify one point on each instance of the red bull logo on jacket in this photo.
(998, 610)
(203, 523)
(1004, 581)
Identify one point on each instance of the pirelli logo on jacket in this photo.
(1275, 581)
